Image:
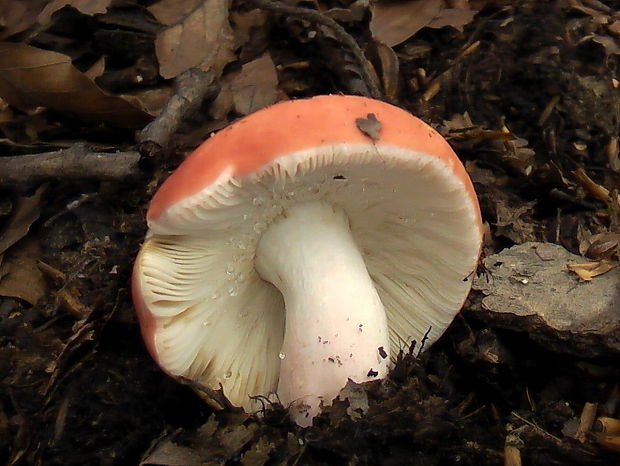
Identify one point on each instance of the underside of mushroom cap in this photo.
(210, 317)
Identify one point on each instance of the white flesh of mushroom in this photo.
(336, 326)
(220, 323)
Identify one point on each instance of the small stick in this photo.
(190, 89)
(588, 414)
(512, 456)
(75, 162)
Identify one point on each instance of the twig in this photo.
(588, 415)
(76, 162)
(190, 89)
(537, 429)
(368, 73)
(424, 340)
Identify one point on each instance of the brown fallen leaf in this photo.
(25, 212)
(370, 126)
(202, 39)
(252, 32)
(31, 77)
(96, 70)
(600, 246)
(610, 44)
(394, 23)
(457, 18)
(18, 15)
(389, 69)
(169, 12)
(587, 271)
(152, 100)
(87, 7)
(256, 86)
(20, 276)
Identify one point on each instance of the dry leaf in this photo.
(589, 270)
(32, 77)
(96, 70)
(370, 126)
(389, 67)
(600, 246)
(20, 276)
(153, 100)
(18, 15)
(457, 18)
(223, 104)
(353, 13)
(169, 12)
(259, 454)
(170, 454)
(609, 44)
(256, 86)
(87, 7)
(252, 33)
(357, 397)
(202, 39)
(26, 211)
(394, 23)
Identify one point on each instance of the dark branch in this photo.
(76, 162)
(190, 89)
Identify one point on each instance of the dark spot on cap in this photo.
(370, 126)
(372, 373)
(382, 352)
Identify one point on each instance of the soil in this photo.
(527, 94)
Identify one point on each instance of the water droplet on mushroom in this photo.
(314, 188)
(259, 227)
(244, 216)
(215, 295)
(257, 201)
(243, 314)
(232, 291)
(228, 375)
(240, 278)
(206, 323)
(230, 268)
(281, 355)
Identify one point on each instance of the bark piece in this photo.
(529, 288)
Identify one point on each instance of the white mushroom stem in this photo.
(336, 327)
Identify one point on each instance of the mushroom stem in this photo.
(336, 327)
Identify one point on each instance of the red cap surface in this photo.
(295, 125)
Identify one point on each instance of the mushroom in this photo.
(303, 246)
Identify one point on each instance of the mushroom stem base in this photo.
(336, 327)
